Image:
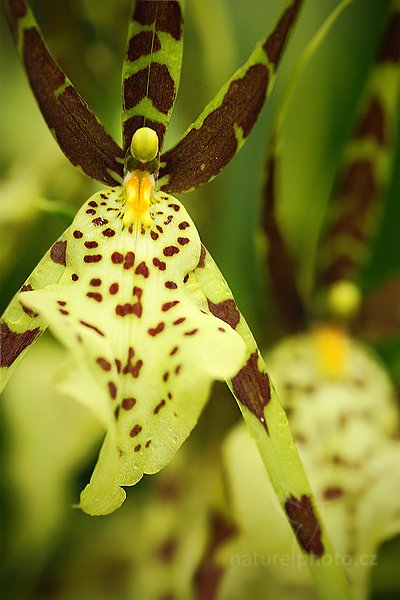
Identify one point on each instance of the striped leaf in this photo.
(152, 66)
(213, 139)
(20, 325)
(278, 261)
(354, 215)
(81, 137)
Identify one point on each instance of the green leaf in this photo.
(20, 325)
(356, 208)
(213, 139)
(152, 65)
(81, 137)
(144, 348)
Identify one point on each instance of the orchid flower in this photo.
(146, 315)
(339, 398)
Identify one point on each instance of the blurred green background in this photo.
(47, 546)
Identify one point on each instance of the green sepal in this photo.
(152, 65)
(213, 139)
(268, 425)
(354, 215)
(78, 132)
(20, 325)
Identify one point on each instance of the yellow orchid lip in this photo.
(139, 186)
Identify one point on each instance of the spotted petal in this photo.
(145, 348)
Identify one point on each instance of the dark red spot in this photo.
(305, 524)
(95, 296)
(99, 221)
(103, 363)
(129, 260)
(74, 277)
(89, 326)
(186, 278)
(174, 350)
(61, 310)
(165, 376)
(159, 264)
(183, 225)
(114, 287)
(112, 388)
(142, 269)
(90, 211)
(333, 492)
(108, 232)
(92, 258)
(91, 244)
(95, 282)
(135, 431)
(170, 250)
(118, 365)
(93, 204)
(154, 235)
(169, 305)
(129, 309)
(168, 220)
(137, 448)
(183, 241)
(159, 228)
(148, 443)
(159, 407)
(128, 403)
(58, 253)
(77, 234)
(192, 332)
(117, 258)
(178, 369)
(156, 330)
(179, 321)
(171, 285)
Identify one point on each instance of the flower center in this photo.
(139, 182)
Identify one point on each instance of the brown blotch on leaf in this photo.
(167, 15)
(153, 81)
(252, 388)
(275, 43)
(390, 47)
(226, 311)
(58, 253)
(15, 10)
(81, 137)
(373, 123)
(305, 524)
(142, 44)
(204, 152)
(12, 343)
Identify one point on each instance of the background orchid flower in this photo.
(338, 396)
